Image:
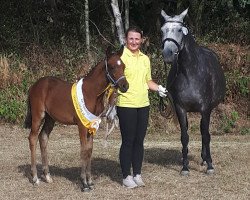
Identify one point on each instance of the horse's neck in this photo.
(188, 53)
(187, 56)
(95, 82)
(189, 44)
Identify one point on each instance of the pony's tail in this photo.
(28, 119)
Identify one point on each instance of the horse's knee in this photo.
(32, 139)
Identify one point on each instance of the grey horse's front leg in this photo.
(182, 117)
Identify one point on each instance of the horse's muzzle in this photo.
(168, 55)
(123, 85)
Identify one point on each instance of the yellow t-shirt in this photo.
(137, 73)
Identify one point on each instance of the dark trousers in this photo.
(133, 127)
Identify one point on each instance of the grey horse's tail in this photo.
(28, 118)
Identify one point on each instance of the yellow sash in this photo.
(90, 121)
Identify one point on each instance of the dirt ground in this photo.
(161, 168)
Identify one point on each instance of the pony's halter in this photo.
(173, 40)
(111, 80)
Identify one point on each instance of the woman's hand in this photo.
(162, 91)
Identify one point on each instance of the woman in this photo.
(133, 107)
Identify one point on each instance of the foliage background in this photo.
(47, 37)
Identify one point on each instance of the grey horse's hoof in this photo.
(91, 186)
(86, 189)
(184, 173)
(210, 171)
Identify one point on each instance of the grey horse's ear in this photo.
(183, 14)
(164, 15)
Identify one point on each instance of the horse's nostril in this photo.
(167, 53)
(124, 87)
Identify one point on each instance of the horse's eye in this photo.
(180, 30)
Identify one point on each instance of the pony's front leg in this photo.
(206, 138)
(86, 152)
(182, 117)
(88, 158)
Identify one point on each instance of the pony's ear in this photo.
(120, 50)
(108, 51)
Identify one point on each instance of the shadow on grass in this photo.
(71, 173)
(163, 157)
(107, 167)
(100, 167)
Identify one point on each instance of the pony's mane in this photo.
(88, 71)
(92, 67)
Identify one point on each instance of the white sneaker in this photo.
(138, 180)
(129, 182)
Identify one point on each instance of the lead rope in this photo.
(110, 116)
(166, 110)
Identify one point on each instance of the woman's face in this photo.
(133, 41)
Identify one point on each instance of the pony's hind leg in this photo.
(43, 140)
(33, 137)
(205, 152)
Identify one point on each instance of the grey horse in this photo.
(196, 82)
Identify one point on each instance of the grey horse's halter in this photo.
(111, 80)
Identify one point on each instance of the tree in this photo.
(86, 11)
(106, 4)
(118, 21)
(126, 14)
